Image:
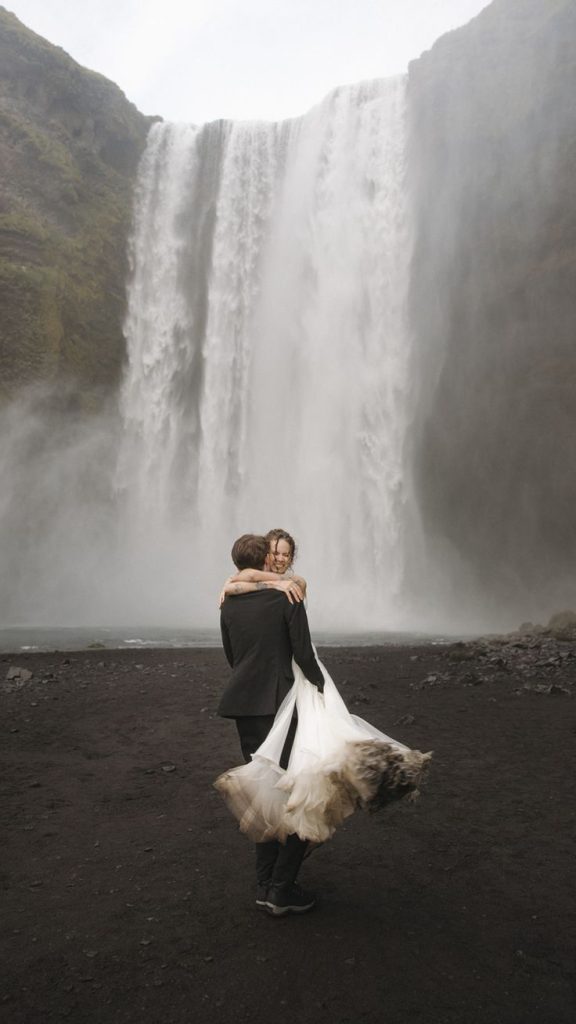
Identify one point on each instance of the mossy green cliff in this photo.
(70, 143)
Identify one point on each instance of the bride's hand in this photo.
(292, 590)
(224, 591)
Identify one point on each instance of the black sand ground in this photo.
(127, 892)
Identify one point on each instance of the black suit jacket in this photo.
(261, 632)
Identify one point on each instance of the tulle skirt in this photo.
(338, 763)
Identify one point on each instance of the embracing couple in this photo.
(264, 626)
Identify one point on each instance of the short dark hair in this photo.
(279, 534)
(249, 551)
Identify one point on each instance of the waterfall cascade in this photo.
(266, 384)
(268, 354)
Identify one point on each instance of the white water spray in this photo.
(268, 374)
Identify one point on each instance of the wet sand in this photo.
(127, 888)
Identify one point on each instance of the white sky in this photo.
(197, 60)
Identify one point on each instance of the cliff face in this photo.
(493, 303)
(69, 148)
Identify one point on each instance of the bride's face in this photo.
(280, 556)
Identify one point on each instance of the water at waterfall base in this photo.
(71, 638)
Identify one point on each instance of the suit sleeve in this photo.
(226, 641)
(302, 649)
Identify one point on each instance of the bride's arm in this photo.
(293, 587)
(255, 576)
(260, 575)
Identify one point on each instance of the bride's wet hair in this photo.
(249, 551)
(273, 536)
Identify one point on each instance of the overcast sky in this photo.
(197, 60)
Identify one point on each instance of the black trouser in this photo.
(276, 862)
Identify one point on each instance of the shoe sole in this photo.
(280, 911)
(261, 905)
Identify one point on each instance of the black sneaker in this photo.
(262, 896)
(289, 899)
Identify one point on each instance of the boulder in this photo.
(563, 625)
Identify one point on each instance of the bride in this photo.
(279, 576)
(338, 762)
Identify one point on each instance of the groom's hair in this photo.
(249, 551)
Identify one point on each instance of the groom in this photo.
(261, 633)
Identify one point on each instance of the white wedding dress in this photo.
(338, 763)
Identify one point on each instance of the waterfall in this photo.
(268, 368)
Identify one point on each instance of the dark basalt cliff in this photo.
(493, 303)
(69, 148)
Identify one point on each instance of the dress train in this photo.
(338, 763)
